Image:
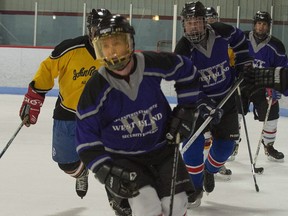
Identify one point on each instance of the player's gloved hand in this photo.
(207, 107)
(268, 78)
(119, 181)
(31, 106)
(181, 124)
(243, 69)
(271, 93)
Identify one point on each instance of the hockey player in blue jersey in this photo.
(123, 118)
(267, 51)
(207, 46)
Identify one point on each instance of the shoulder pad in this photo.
(222, 29)
(279, 46)
(68, 45)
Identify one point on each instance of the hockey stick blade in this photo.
(259, 170)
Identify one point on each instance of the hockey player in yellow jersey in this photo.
(73, 62)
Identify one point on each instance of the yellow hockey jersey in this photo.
(73, 62)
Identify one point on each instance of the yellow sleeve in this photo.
(231, 57)
(46, 74)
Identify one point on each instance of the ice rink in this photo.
(31, 184)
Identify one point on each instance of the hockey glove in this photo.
(207, 107)
(271, 93)
(242, 69)
(118, 181)
(181, 124)
(276, 78)
(31, 106)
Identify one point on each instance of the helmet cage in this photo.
(195, 34)
(193, 13)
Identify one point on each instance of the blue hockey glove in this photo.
(119, 182)
(207, 107)
(275, 95)
(181, 124)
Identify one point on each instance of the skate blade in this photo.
(275, 160)
(222, 177)
(231, 158)
(195, 204)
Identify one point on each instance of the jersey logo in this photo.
(138, 124)
(84, 72)
(258, 63)
(213, 75)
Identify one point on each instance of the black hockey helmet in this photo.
(115, 28)
(262, 16)
(211, 13)
(193, 9)
(95, 16)
(194, 21)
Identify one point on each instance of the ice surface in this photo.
(31, 184)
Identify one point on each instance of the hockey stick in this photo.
(261, 170)
(247, 139)
(174, 174)
(13, 136)
(207, 121)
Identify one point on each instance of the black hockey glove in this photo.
(181, 124)
(244, 68)
(207, 107)
(118, 181)
(276, 78)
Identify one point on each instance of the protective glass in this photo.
(114, 48)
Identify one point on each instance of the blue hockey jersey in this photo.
(130, 118)
(269, 53)
(213, 63)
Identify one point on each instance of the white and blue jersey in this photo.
(269, 53)
(130, 118)
(213, 63)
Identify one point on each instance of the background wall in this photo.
(18, 66)
(61, 19)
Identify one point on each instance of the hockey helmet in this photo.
(194, 21)
(261, 16)
(113, 41)
(95, 16)
(211, 15)
(193, 9)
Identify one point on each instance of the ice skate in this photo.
(209, 182)
(122, 208)
(224, 174)
(272, 153)
(194, 200)
(82, 184)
